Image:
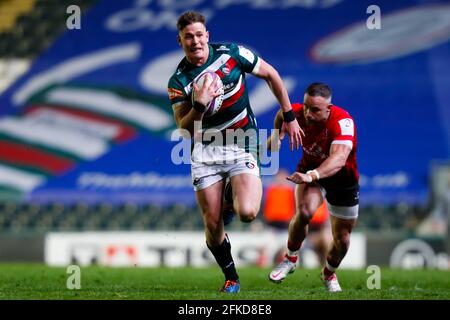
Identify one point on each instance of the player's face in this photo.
(316, 109)
(194, 39)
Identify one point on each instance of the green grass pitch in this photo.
(37, 281)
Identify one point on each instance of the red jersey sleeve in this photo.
(342, 128)
(297, 108)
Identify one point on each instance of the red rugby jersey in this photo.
(340, 129)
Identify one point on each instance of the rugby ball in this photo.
(214, 106)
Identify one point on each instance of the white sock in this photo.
(329, 267)
(292, 253)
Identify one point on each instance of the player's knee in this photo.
(343, 241)
(248, 216)
(304, 214)
(248, 213)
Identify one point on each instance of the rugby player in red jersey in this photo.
(327, 171)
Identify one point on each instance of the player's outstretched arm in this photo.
(274, 142)
(338, 156)
(273, 79)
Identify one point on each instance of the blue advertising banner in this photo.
(91, 120)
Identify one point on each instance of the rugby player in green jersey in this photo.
(212, 164)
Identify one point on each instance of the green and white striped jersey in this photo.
(230, 62)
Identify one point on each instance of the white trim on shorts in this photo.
(214, 178)
(341, 212)
(209, 181)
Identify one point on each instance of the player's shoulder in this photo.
(341, 122)
(338, 113)
(297, 107)
(177, 76)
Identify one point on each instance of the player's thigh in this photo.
(308, 198)
(343, 202)
(341, 228)
(247, 192)
(209, 200)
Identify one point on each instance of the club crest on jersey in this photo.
(226, 70)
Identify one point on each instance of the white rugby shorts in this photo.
(212, 163)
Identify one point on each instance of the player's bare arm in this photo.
(274, 142)
(338, 156)
(185, 116)
(273, 79)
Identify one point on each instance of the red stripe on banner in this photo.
(125, 133)
(25, 155)
(235, 97)
(240, 124)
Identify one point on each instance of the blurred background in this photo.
(87, 173)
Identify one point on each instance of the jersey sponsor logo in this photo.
(347, 127)
(197, 181)
(234, 88)
(228, 86)
(223, 48)
(174, 93)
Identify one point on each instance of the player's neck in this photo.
(198, 62)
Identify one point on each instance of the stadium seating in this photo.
(31, 217)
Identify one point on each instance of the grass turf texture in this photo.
(37, 281)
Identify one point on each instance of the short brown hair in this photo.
(188, 18)
(319, 89)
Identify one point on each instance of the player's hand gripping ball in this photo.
(214, 106)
